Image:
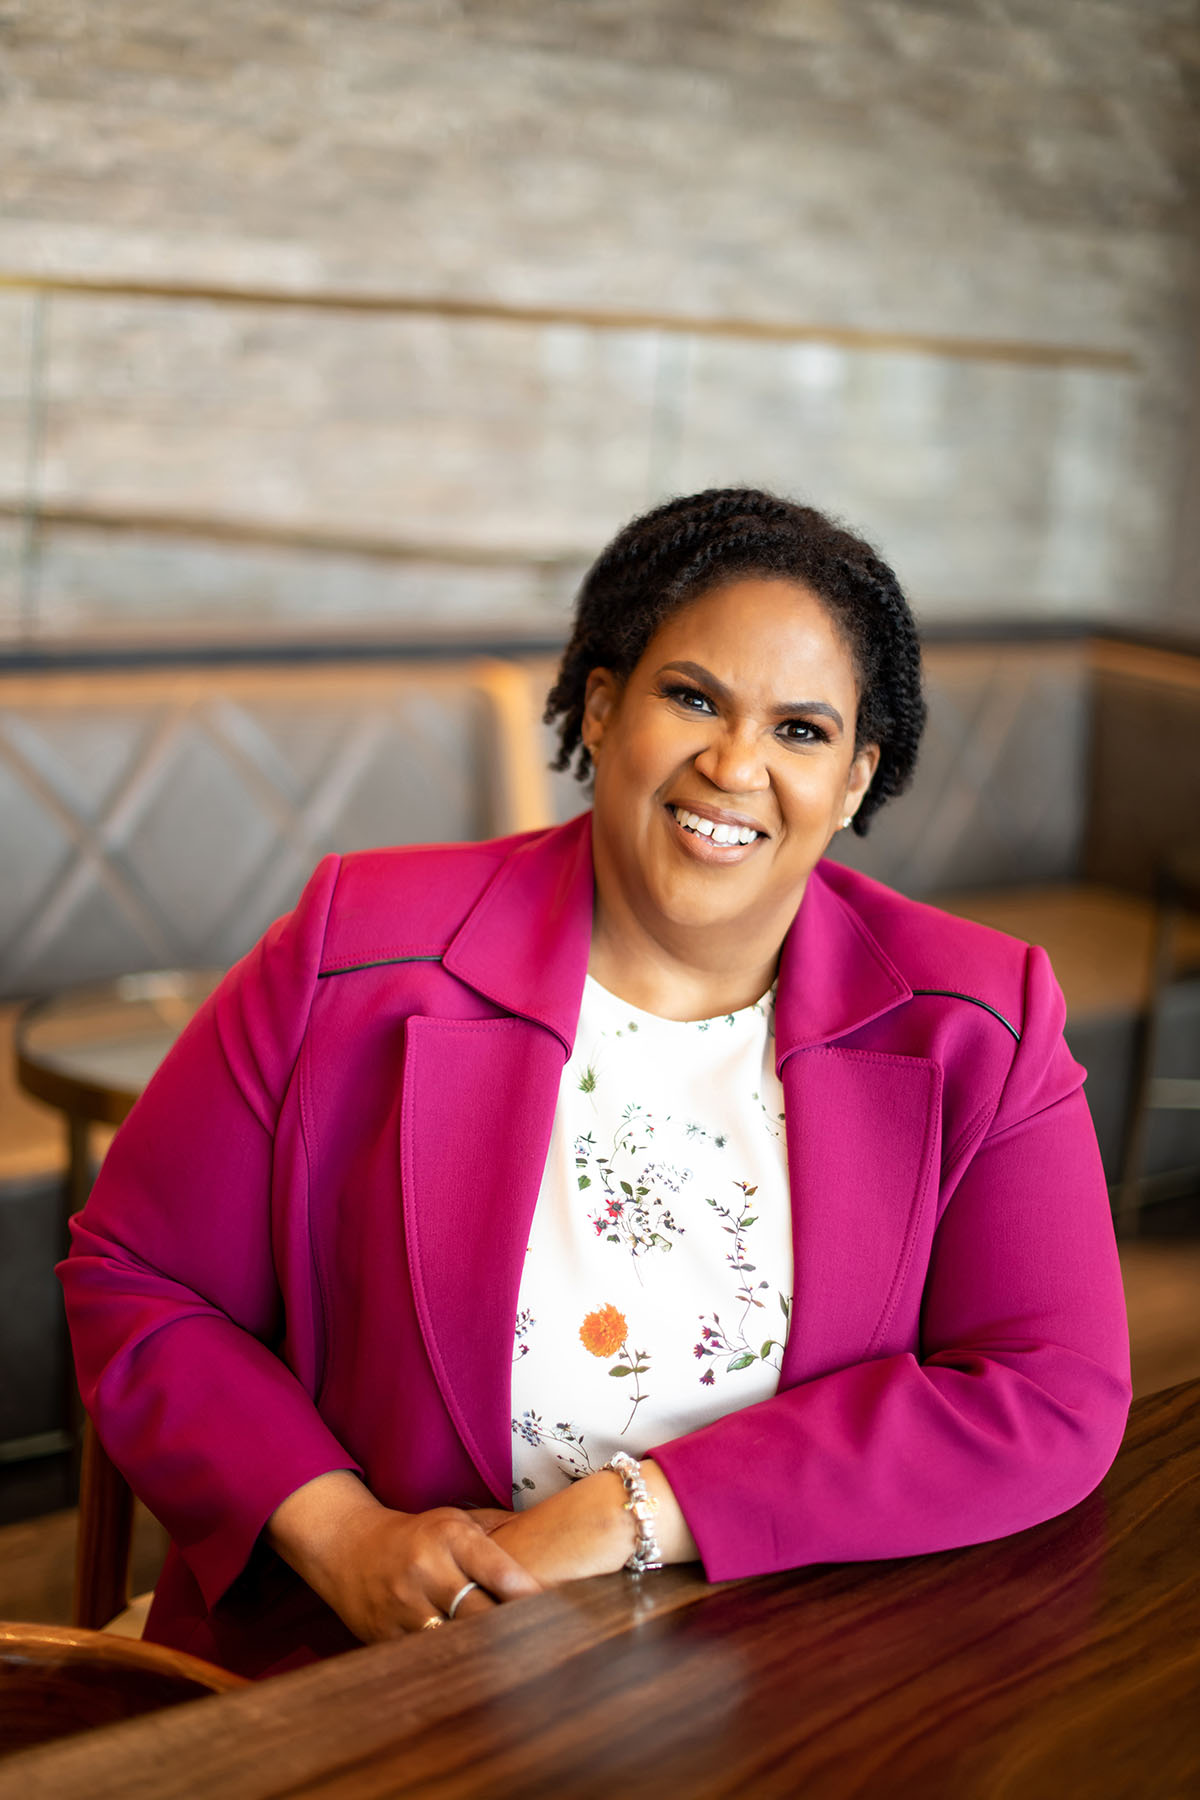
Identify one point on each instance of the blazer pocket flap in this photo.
(863, 1134)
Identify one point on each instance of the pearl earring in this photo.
(848, 820)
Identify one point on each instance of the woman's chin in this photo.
(692, 900)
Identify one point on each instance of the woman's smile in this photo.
(714, 835)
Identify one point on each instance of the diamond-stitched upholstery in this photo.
(151, 820)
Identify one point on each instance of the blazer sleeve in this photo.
(1016, 1403)
(182, 1336)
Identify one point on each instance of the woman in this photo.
(651, 1136)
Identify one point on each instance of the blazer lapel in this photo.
(525, 944)
(477, 1106)
(863, 1135)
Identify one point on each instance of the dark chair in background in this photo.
(1175, 957)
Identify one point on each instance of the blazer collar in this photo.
(525, 946)
(525, 943)
(834, 975)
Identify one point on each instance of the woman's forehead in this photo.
(757, 623)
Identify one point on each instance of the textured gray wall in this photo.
(1018, 170)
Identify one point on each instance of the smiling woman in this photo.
(717, 792)
(641, 1190)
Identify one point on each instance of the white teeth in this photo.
(720, 834)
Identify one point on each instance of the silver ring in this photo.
(460, 1597)
(432, 1623)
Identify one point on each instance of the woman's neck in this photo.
(695, 980)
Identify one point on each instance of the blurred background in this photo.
(383, 315)
(335, 340)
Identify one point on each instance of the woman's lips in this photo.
(713, 840)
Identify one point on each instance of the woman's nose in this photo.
(733, 761)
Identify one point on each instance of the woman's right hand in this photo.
(383, 1572)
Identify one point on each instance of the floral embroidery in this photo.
(634, 1212)
(573, 1458)
(529, 1427)
(762, 1007)
(603, 1334)
(734, 1342)
(525, 1320)
(773, 1125)
(660, 1174)
(648, 1139)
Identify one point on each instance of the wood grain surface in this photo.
(1064, 1661)
(56, 1680)
(456, 306)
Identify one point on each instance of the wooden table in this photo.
(1063, 1663)
(91, 1050)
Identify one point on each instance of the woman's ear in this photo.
(599, 698)
(862, 771)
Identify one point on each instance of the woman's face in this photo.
(725, 763)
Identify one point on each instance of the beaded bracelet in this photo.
(646, 1553)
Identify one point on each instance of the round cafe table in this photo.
(91, 1050)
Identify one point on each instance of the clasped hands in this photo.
(385, 1573)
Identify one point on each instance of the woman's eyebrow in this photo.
(786, 709)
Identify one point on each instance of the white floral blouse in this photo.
(657, 1283)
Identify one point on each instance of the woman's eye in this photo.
(692, 698)
(799, 731)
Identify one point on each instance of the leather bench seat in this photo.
(1099, 940)
(163, 817)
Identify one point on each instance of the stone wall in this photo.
(929, 265)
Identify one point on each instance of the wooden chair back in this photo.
(105, 1534)
(56, 1680)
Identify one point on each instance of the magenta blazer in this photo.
(304, 1249)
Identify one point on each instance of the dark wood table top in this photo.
(1062, 1662)
(91, 1050)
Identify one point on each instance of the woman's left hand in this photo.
(585, 1530)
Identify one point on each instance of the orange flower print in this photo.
(603, 1332)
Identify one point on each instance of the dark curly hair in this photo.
(686, 548)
